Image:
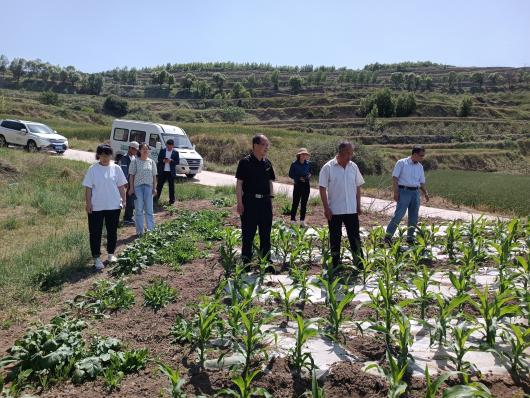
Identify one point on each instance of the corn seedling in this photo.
(229, 255)
(244, 388)
(158, 294)
(452, 236)
(282, 242)
(301, 280)
(402, 336)
(432, 386)
(368, 265)
(336, 307)
(422, 283)
(446, 307)
(207, 318)
(519, 340)
(251, 336)
(287, 298)
(492, 310)
(316, 390)
(471, 390)
(299, 359)
(175, 380)
(394, 375)
(323, 237)
(460, 334)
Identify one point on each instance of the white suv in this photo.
(31, 135)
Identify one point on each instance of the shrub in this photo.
(233, 114)
(464, 109)
(115, 106)
(384, 101)
(405, 104)
(49, 98)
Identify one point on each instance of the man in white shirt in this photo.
(340, 190)
(408, 178)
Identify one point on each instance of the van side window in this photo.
(138, 136)
(121, 134)
(153, 139)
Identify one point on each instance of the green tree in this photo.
(275, 79)
(396, 79)
(239, 91)
(162, 77)
(3, 64)
(17, 68)
(250, 83)
(187, 81)
(201, 89)
(132, 76)
(295, 82)
(465, 107)
(451, 80)
(410, 81)
(44, 73)
(115, 106)
(170, 80)
(405, 104)
(219, 79)
(477, 78)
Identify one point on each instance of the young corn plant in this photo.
(287, 298)
(432, 386)
(244, 387)
(207, 318)
(368, 265)
(402, 337)
(301, 281)
(393, 374)
(158, 294)
(446, 307)
(229, 255)
(492, 310)
(519, 340)
(283, 243)
(461, 281)
(452, 237)
(336, 307)
(323, 238)
(316, 390)
(460, 334)
(250, 341)
(175, 380)
(422, 293)
(299, 359)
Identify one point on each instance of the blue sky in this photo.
(96, 35)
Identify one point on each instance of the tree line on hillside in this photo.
(42, 76)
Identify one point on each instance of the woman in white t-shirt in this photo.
(142, 172)
(104, 185)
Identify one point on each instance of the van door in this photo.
(154, 139)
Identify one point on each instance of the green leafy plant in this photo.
(460, 334)
(519, 340)
(301, 281)
(207, 319)
(175, 380)
(244, 388)
(446, 307)
(105, 296)
(336, 307)
(402, 336)
(422, 293)
(452, 237)
(227, 250)
(113, 375)
(316, 390)
(394, 374)
(300, 359)
(286, 298)
(432, 386)
(158, 294)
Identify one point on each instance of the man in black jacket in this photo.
(166, 166)
(125, 162)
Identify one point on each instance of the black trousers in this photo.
(257, 214)
(129, 207)
(300, 194)
(95, 229)
(351, 222)
(162, 178)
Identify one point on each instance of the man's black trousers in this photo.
(257, 214)
(95, 229)
(129, 207)
(300, 194)
(162, 178)
(351, 222)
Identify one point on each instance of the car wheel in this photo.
(3, 141)
(190, 175)
(32, 146)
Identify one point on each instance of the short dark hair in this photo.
(170, 142)
(418, 149)
(343, 145)
(103, 149)
(256, 140)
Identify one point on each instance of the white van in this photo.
(156, 135)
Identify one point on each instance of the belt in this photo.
(258, 195)
(408, 188)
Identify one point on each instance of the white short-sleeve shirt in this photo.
(408, 173)
(104, 182)
(341, 184)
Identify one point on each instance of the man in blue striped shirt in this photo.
(408, 178)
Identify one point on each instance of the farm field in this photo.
(177, 314)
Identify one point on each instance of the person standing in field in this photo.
(408, 178)
(168, 159)
(142, 178)
(300, 174)
(340, 183)
(104, 184)
(125, 162)
(254, 192)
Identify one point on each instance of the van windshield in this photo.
(181, 141)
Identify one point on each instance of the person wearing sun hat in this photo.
(300, 174)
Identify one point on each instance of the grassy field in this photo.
(42, 224)
(499, 193)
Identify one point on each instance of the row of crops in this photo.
(448, 309)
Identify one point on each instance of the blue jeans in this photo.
(143, 206)
(408, 200)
